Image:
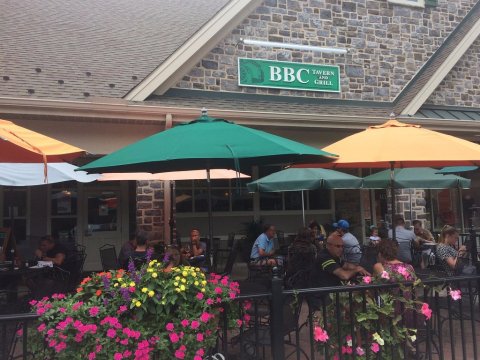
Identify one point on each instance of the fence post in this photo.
(473, 247)
(276, 322)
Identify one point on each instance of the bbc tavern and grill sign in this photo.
(288, 75)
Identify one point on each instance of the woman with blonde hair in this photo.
(446, 252)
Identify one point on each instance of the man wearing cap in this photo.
(352, 252)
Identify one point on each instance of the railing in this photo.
(449, 334)
(280, 323)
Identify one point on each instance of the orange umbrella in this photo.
(174, 175)
(396, 144)
(20, 145)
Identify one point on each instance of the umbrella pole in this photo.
(303, 209)
(392, 187)
(210, 219)
(460, 204)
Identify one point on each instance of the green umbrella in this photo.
(409, 178)
(206, 143)
(456, 169)
(300, 179)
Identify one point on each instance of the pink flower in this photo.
(360, 351)
(205, 317)
(118, 356)
(209, 301)
(200, 352)
(456, 294)
(179, 354)
(197, 357)
(170, 327)
(111, 333)
(122, 309)
(426, 311)
(239, 322)
(41, 327)
(41, 311)
(402, 270)
(77, 305)
(218, 290)
(93, 311)
(174, 337)
(92, 356)
(195, 324)
(320, 334)
(62, 310)
(385, 275)
(232, 295)
(346, 350)
(124, 342)
(127, 354)
(367, 279)
(199, 337)
(200, 296)
(375, 347)
(185, 322)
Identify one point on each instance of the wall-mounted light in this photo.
(329, 50)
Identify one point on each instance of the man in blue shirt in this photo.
(263, 247)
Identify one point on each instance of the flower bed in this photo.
(135, 315)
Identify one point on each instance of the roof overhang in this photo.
(193, 50)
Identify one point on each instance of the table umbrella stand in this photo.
(392, 198)
(210, 219)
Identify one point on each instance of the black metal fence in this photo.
(280, 324)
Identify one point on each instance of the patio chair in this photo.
(108, 257)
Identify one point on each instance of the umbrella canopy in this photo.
(295, 179)
(456, 169)
(20, 145)
(409, 178)
(174, 175)
(401, 145)
(31, 174)
(206, 143)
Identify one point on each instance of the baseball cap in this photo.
(373, 227)
(342, 224)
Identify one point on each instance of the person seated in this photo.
(172, 258)
(373, 238)
(449, 257)
(424, 238)
(196, 251)
(139, 256)
(352, 252)
(319, 233)
(301, 256)
(405, 239)
(49, 250)
(389, 262)
(127, 249)
(263, 248)
(330, 269)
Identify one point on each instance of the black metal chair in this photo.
(108, 257)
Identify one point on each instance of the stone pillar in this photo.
(150, 198)
(411, 205)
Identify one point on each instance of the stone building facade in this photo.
(150, 199)
(388, 44)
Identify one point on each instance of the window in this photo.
(64, 199)
(227, 195)
(15, 212)
(413, 3)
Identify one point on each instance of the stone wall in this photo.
(389, 44)
(417, 205)
(150, 208)
(461, 87)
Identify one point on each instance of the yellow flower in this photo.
(194, 274)
(163, 302)
(182, 287)
(124, 285)
(184, 273)
(204, 282)
(149, 270)
(177, 289)
(177, 278)
(138, 303)
(154, 275)
(151, 293)
(184, 281)
(144, 290)
(202, 290)
(115, 285)
(131, 283)
(175, 283)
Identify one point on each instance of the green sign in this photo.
(288, 75)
